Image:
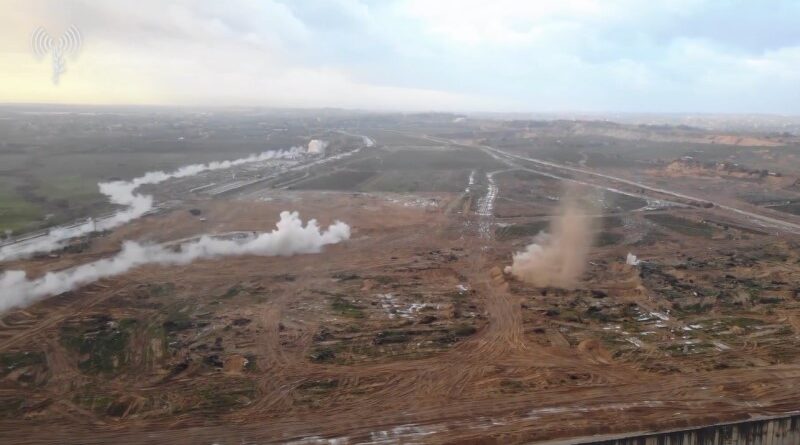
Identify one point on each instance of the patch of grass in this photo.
(252, 363)
(404, 181)
(596, 313)
(382, 279)
(438, 159)
(340, 180)
(521, 230)
(177, 321)
(608, 239)
(464, 330)
(624, 202)
(16, 213)
(511, 386)
(323, 354)
(793, 208)
(744, 322)
(344, 276)
(696, 308)
(314, 393)
(610, 222)
(390, 337)
(346, 308)
(10, 406)
(231, 292)
(770, 300)
(228, 396)
(681, 225)
(319, 386)
(103, 342)
(458, 300)
(9, 361)
(352, 328)
(570, 315)
(161, 289)
(73, 189)
(98, 403)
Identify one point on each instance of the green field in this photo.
(681, 225)
(405, 170)
(16, 213)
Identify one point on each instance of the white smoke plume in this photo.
(136, 205)
(317, 146)
(557, 258)
(291, 237)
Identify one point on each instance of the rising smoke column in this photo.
(317, 146)
(136, 205)
(289, 238)
(557, 258)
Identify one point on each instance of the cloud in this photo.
(617, 55)
(620, 55)
(245, 52)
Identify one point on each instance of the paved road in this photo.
(763, 220)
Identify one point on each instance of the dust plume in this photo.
(136, 205)
(557, 258)
(289, 238)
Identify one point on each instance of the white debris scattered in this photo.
(486, 202)
(394, 309)
(470, 182)
(414, 202)
(660, 316)
(634, 341)
(631, 260)
(410, 433)
(721, 346)
(319, 440)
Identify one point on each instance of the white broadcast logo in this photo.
(68, 44)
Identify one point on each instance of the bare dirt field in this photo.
(404, 333)
(409, 331)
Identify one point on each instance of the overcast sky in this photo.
(470, 55)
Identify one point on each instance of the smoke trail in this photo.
(291, 237)
(558, 258)
(136, 205)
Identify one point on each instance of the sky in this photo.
(711, 56)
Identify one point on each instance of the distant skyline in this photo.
(631, 56)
